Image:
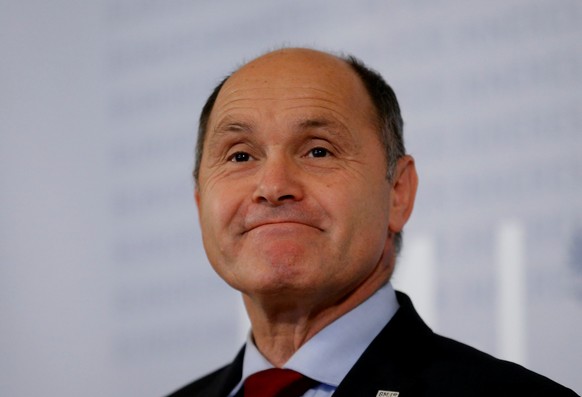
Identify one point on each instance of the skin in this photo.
(294, 204)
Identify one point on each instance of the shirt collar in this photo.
(329, 355)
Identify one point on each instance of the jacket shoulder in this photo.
(462, 365)
(408, 356)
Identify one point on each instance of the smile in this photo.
(282, 226)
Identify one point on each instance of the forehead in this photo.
(295, 79)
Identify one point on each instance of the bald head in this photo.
(293, 66)
(298, 64)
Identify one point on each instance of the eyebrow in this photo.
(331, 126)
(313, 123)
(231, 125)
(234, 125)
(307, 123)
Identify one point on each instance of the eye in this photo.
(318, 152)
(239, 157)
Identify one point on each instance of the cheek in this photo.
(362, 212)
(363, 202)
(215, 213)
(214, 223)
(222, 211)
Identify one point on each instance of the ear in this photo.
(197, 197)
(403, 193)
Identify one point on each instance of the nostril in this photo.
(286, 197)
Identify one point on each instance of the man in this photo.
(303, 188)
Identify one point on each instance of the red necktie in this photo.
(276, 382)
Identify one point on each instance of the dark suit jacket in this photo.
(407, 357)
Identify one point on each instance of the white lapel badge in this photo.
(384, 393)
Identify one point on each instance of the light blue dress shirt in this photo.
(332, 352)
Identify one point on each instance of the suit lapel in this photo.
(394, 359)
(222, 384)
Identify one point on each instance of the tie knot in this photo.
(276, 382)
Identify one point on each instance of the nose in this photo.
(279, 181)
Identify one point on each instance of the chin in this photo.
(279, 279)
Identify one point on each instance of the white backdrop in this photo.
(104, 286)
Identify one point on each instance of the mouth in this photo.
(281, 225)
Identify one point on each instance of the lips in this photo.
(280, 223)
(286, 217)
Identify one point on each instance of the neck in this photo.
(281, 326)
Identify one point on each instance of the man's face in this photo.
(292, 193)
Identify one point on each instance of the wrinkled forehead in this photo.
(295, 74)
